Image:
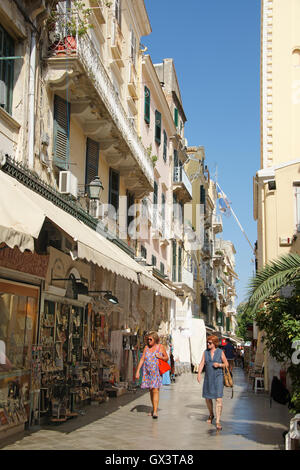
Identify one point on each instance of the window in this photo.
(174, 260)
(203, 197)
(157, 127)
(162, 268)
(92, 160)
(155, 201)
(165, 146)
(132, 47)
(204, 304)
(143, 252)
(61, 132)
(176, 164)
(118, 11)
(147, 105)
(163, 212)
(153, 260)
(176, 117)
(179, 264)
(114, 183)
(7, 49)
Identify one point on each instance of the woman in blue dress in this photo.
(214, 361)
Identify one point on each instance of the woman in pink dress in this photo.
(151, 376)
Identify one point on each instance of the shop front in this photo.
(21, 275)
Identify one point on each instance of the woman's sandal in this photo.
(154, 416)
(210, 419)
(219, 427)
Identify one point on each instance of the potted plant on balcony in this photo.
(64, 27)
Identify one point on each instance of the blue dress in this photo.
(213, 381)
(166, 380)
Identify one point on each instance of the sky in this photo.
(216, 50)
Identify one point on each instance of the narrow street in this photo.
(249, 423)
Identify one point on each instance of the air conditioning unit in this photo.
(68, 183)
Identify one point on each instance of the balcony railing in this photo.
(180, 176)
(82, 48)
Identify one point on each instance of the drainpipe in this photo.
(31, 93)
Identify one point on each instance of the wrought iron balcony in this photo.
(75, 60)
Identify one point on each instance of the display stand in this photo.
(35, 386)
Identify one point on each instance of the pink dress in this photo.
(151, 375)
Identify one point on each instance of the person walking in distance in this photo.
(214, 361)
(230, 354)
(151, 376)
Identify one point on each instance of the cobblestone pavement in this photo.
(249, 423)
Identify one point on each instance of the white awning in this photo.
(22, 214)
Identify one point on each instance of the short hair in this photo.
(154, 336)
(214, 339)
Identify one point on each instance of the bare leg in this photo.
(209, 405)
(151, 396)
(219, 406)
(155, 392)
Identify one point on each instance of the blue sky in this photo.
(216, 49)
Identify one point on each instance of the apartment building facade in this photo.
(276, 183)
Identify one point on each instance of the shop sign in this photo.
(29, 263)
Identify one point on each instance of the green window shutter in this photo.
(154, 261)
(165, 146)
(147, 105)
(92, 160)
(157, 127)
(203, 197)
(162, 268)
(176, 117)
(179, 264)
(61, 132)
(227, 323)
(143, 252)
(174, 260)
(114, 184)
(7, 49)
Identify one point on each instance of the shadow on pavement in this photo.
(91, 413)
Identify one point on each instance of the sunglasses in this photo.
(150, 339)
(209, 342)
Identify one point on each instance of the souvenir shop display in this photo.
(13, 410)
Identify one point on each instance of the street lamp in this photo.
(95, 188)
(108, 295)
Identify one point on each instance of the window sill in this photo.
(9, 120)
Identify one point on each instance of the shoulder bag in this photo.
(228, 380)
(163, 366)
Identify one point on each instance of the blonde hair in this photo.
(154, 335)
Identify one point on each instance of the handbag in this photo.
(228, 380)
(163, 366)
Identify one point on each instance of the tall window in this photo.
(163, 212)
(157, 127)
(118, 11)
(92, 160)
(143, 252)
(176, 117)
(147, 105)
(155, 201)
(7, 49)
(132, 47)
(114, 184)
(174, 260)
(154, 261)
(61, 132)
(179, 264)
(165, 146)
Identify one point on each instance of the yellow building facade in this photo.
(276, 184)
